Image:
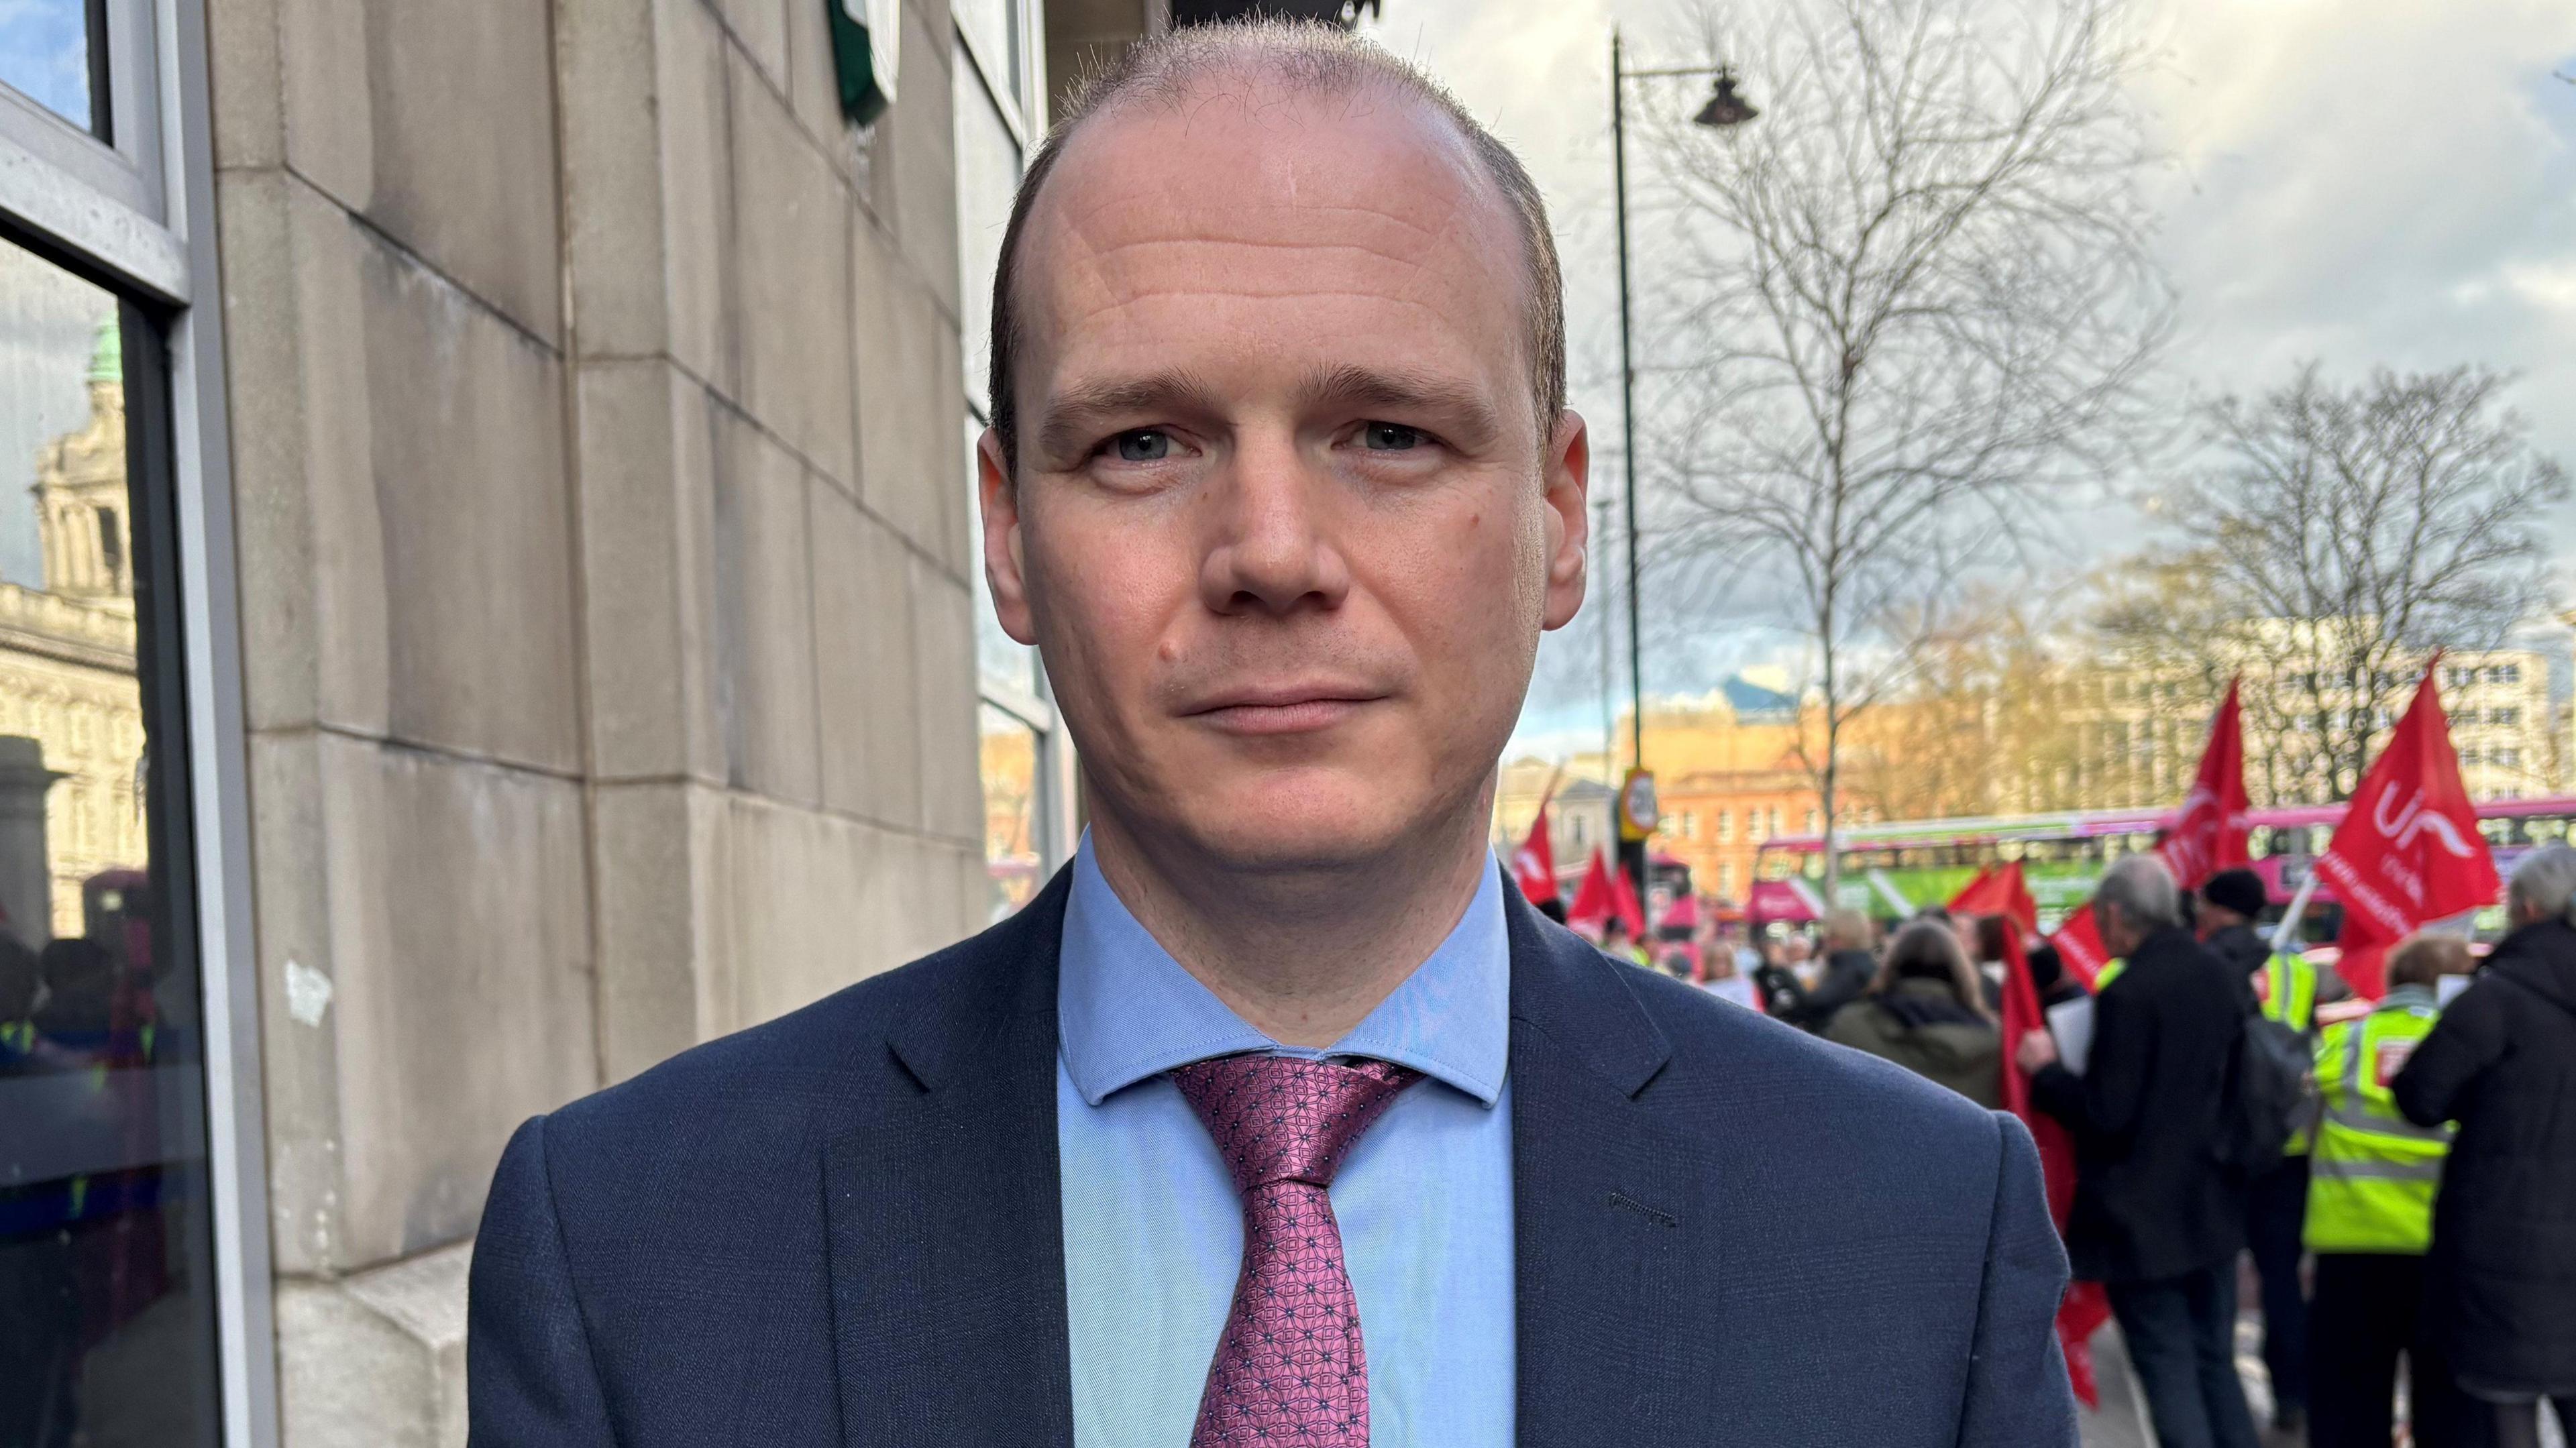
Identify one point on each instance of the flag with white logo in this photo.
(2408, 851)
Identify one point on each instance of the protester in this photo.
(1721, 976)
(2049, 976)
(2369, 1217)
(2500, 1280)
(1619, 945)
(2276, 1201)
(2156, 1218)
(1927, 1013)
(1848, 970)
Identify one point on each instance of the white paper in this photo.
(2071, 1022)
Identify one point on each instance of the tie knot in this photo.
(1278, 1118)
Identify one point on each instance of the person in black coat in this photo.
(2156, 1219)
(1849, 971)
(2500, 1282)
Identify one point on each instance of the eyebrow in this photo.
(1070, 417)
(1470, 418)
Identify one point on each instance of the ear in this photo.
(1565, 471)
(1005, 570)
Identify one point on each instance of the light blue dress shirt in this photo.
(1153, 1229)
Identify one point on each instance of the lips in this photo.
(1282, 709)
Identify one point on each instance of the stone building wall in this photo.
(604, 543)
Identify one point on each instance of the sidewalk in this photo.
(2121, 1421)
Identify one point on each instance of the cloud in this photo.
(2367, 182)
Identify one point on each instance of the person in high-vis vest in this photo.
(2284, 988)
(2370, 1220)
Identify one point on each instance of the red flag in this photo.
(1534, 863)
(2408, 850)
(2085, 1308)
(1631, 910)
(1999, 890)
(2079, 944)
(1594, 900)
(2208, 834)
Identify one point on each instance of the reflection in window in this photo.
(988, 172)
(50, 52)
(106, 1333)
(1014, 797)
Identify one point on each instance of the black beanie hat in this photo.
(2240, 890)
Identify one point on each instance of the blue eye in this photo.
(1144, 445)
(1389, 437)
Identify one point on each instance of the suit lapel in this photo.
(1601, 1207)
(945, 1214)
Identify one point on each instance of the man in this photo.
(2370, 1217)
(1277, 1117)
(2276, 1202)
(2156, 1219)
(1848, 971)
(2500, 1281)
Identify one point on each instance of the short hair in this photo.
(2545, 882)
(2143, 890)
(1847, 927)
(2425, 957)
(1305, 58)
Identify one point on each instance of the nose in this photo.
(1271, 546)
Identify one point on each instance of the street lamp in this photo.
(1724, 111)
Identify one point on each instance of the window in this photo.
(2505, 674)
(1726, 826)
(104, 1213)
(2504, 716)
(1814, 821)
(2509, 757)
(1690, 824)
(1726, 879)
(54, 52)
(1753, 827)
(1026, 758)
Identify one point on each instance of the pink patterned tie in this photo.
(1290, 1371)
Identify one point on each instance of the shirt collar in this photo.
(1126, 1010)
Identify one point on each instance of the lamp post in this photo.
(1724, 111)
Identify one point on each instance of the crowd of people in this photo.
(2416, 1206)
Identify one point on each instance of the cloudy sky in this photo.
(2359, 181)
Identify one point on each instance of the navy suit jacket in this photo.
(843, 1227)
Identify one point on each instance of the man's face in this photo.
(1285, 527)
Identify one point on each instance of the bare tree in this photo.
(2341, 535)
(1913, 293)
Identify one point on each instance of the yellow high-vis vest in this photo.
(2288, 986)
(2373, 1172)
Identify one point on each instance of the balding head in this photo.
(1263, 64)
(1270, 482)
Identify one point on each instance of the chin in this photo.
(1292, 825)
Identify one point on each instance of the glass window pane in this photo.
(995, 25)
(106, 1325)
(1013, 799)
(50, 52)
(988, 171)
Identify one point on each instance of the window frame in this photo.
(135, 213)
(1058, 827)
